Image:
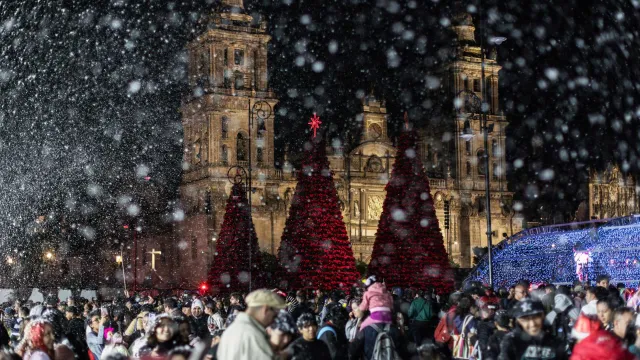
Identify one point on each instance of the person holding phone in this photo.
(95, 333)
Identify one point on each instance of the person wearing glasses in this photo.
(246, 338)
(95, 333)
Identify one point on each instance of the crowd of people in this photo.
(371, 322)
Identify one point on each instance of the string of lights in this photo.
(566, 256)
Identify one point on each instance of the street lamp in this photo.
(9, 260)
(48, 255)
(494, 40)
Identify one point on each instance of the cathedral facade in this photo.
(228, 128)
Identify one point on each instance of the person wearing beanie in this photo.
(199, 325)
(529, 340)
(282, 331)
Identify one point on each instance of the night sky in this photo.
(90, 92)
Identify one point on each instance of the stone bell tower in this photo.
(228, 76)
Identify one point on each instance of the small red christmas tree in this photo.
(230, 270)
(315, 251)
(409, 249)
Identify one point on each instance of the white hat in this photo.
(197, 303)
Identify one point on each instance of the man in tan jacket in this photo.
(246, 338)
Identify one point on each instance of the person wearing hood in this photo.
(378, 301)
(198, 320)
(562, 318)
(529, 340)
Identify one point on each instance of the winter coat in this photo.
(215, 321)
(562, 318)
(36, 355)
(352, 328)
(486, 328)
(199, 326)
(601, 344)
(420, 310)
(634, 301)
(301, 349)
(336, 343)
(136, 325)
(590, 308)
(95, 341)
(76, 334)
(518, 345)
(492, 349)
(377, 298)
(244, 339)
(365, 342)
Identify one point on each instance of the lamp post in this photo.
(135, 258)
(261, 111)
(486, 129)
(120, 261)
(473, 104)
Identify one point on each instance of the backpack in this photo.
(384, 348)
(462, 348)
(443, 330)
(324, 330)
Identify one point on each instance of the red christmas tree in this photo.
(409, 249)
(315, 251)
(231, 265)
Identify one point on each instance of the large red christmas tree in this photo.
(232, 266)
(315, 251)
(409, 249)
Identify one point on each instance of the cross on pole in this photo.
(153, 253)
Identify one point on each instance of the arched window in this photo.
(467, 147)
(224, 127)
(495, 171)
(374, 164)
(242, 147)
(468, 170)
(465, 79)
(494, 147)
(238, 80)
(225, 59)
(481, 168)
(224, 155)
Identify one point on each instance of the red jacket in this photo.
(601, 344)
